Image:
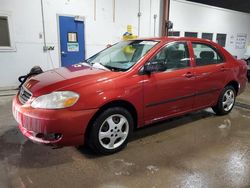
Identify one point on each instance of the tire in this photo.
(111, 130)
(226, 101)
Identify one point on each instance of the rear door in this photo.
(210, 73)
(170, 90)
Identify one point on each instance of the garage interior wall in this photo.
(100, 29)
(194, 17)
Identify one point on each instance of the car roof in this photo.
(166, 39)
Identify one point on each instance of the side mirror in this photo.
(154, 67)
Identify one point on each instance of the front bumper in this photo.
(36, 124)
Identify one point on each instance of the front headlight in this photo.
(56, 100)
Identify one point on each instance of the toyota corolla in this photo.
(127, 86)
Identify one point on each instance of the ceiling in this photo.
(238, 5)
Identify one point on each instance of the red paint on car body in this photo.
(188, 89)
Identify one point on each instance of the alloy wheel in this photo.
(113, 131)
(228, 100)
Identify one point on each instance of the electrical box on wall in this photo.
(40, 35)
(48, 48)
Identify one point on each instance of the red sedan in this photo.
(129, 85)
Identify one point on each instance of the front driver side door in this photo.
(169, 91)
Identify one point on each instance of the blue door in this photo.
(71, 40)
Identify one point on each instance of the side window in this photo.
(206, 55)
(171, 57)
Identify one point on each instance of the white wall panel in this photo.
(27, 25)
(194, 17)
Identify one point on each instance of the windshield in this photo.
(123, 55)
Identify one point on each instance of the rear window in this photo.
(205, 54)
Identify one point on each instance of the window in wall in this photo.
(4, 32)
(171, 57)
(206, 54)
(174, 33)
(72, 37)
(191, 34)
(208, 36)
(221, 39)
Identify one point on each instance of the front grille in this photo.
(24, 95)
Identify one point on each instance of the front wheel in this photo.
(111, 130)
(226, 101)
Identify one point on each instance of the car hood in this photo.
(65, 77)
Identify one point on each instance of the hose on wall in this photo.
(45, 48)
(43, 25)
(139, 19)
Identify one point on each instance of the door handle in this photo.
(188, 75)
(63, 53)
(222, 68)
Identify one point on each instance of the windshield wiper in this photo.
(115, 68)
(100, 66)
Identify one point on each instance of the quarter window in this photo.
(171, 57)
(206, 55)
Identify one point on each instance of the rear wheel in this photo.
(226, 101)
(111, 130)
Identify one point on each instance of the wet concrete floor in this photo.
(196, 150)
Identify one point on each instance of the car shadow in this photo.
(156, 128)
(171, 123)
(18, 151)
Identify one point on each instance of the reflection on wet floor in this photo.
(196, 150)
